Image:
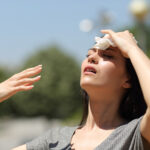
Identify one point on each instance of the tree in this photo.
(57, 94)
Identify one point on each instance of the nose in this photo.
(93, 59)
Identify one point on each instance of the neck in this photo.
(103, 112)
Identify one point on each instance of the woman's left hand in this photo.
(123, 40)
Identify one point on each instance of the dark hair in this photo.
(132, 104)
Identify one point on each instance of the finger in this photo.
(131, 34)
(27, 81)
(33, 68)
(28, 84)
(23, 88)
(108, 31)
(28, 74)
(27, 70)
(111, 33)
(126, 31)
(30, 69)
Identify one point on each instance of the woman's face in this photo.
(103, 69)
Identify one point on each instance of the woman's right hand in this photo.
(19, 82)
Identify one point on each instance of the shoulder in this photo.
(53, 137)
(56, 133)
(130, 128)
(130, 134)
(126, 136)
(133, 123)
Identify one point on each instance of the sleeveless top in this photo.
(124, 137)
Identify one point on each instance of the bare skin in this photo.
(21, 81)
(140, 61)
(103, 106)
(106, 88)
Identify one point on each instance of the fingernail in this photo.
(39, 66)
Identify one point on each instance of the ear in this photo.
(127, 84)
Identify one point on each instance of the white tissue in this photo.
(103, 43)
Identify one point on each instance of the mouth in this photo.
(89, 70)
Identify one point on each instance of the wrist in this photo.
(133, 50)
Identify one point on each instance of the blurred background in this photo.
(56, 34)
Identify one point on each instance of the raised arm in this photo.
(22, 147)
(19, 82)
(129, 48)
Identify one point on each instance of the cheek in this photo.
(107, 68)
(112, 73)
(111, 68)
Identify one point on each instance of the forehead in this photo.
(115, 49)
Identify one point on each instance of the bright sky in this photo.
(27, 25)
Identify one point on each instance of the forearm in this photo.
(141, 65)
(22, 147)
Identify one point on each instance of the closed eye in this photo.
(108, 56)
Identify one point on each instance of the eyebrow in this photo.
(108, 49)
(111, 49)
(94, 49)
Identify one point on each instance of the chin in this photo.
(86, 85)
(85, 82)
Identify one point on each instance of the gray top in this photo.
(124, 137)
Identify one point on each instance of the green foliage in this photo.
(57, 94)
(2, 74)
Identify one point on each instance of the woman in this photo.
(107, 82)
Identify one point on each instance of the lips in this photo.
(90, 69)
